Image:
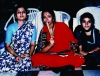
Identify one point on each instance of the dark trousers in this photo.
(92, 59)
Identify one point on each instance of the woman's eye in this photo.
(18, 12)
(83, 21)
(49, 16)
(44, 17)
(21, 12)
(89, 21)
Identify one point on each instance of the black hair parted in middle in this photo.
(87, 15)
(19, 6)
(51, 12)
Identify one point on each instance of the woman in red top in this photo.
(59, 36)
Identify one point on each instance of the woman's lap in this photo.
(51, 60)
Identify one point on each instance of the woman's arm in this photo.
(81, 51)
(10, 50)
(32, 47)
(33, 42)
(46, 48)
(94, 50)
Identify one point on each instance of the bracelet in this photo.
(17, 56)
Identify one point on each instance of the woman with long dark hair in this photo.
(56, 52)
(20, 42)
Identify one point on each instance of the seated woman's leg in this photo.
(91, 60)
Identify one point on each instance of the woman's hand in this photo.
(79, 55)
(83, 53)
(52, 41)
(18, 59)
(24, 55)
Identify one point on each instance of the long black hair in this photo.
(51, 12)
(16, 8)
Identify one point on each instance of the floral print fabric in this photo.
(21, 40)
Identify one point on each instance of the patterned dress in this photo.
(21, 40)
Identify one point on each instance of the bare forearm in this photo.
(32, 47)
(31, 50)
(80, 48)
(45, 49)
(10, 50)
(94, 50)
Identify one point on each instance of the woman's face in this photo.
(21, 14)
(86, 23)
(47, 18)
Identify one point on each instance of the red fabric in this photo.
(62, 37)
(51, 60)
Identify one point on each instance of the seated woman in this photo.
(20, 42)
(56, 51)
(88, 39)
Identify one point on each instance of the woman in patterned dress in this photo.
(19, 42)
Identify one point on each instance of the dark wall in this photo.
(69, 6)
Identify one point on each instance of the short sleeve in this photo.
(34, 36)
(8, 35)
(12, 28)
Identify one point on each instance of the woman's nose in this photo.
(46, 19)
(86, 23)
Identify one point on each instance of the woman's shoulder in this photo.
(97, 30)
(61, 24)
(13, 25)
